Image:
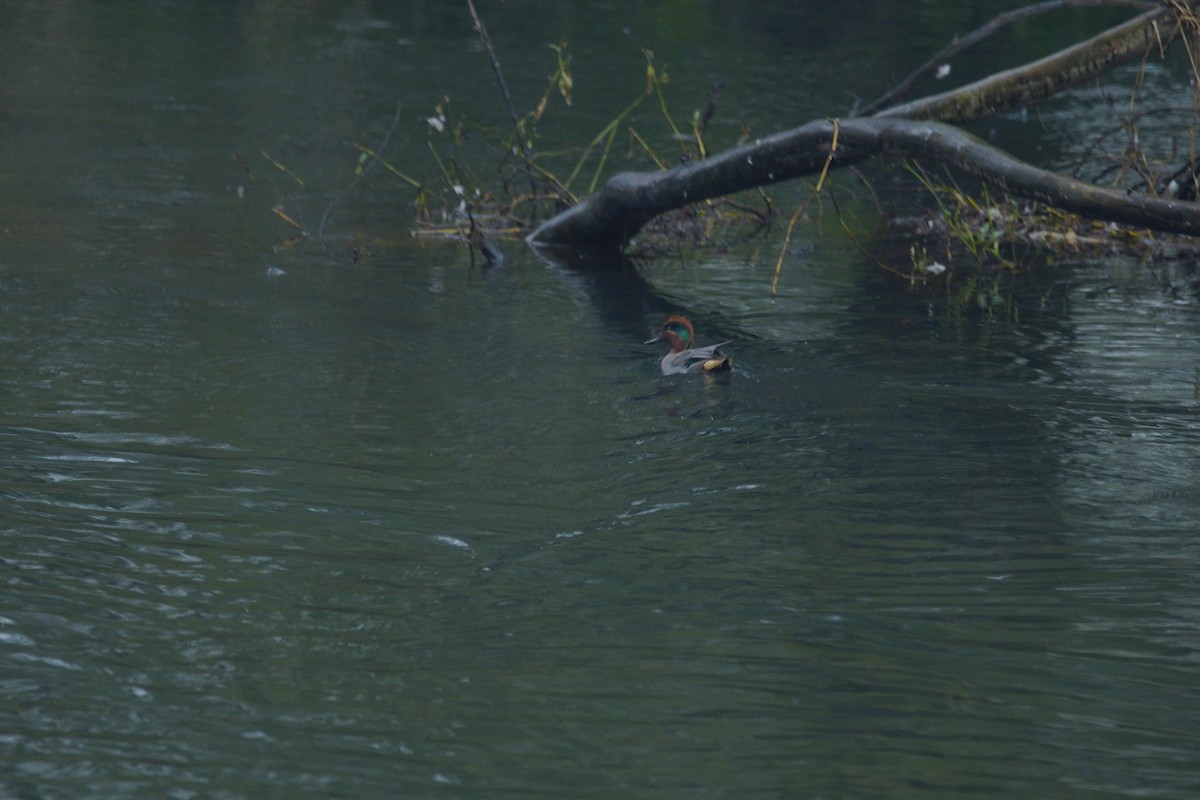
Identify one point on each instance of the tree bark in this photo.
(611, 217)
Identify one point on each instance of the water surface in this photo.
(278, 522)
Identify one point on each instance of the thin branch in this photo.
(337, 198)
(512, 111)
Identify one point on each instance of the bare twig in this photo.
(512, 111)
(337, 198)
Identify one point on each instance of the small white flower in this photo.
(935, 268)
(437, 123)
(943, 71)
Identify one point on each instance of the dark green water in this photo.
(274, 523)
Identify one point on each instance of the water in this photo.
(280, 524)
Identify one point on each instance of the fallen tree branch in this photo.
(1037, 80)
(961, 43)
(611, 217)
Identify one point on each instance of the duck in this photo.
(678, 332)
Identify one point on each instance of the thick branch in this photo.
(972, 155)
(961, 43)
(1030, 83)
(612, 216)
(609, 218)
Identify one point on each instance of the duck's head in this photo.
(675, 331)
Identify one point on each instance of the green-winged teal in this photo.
(677, 331)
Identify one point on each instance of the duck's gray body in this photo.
(697, 359)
